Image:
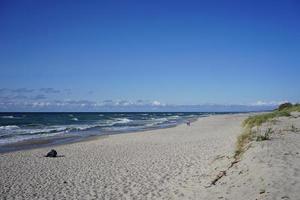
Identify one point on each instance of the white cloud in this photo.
(129, 103)
(157, 103)
(268, 103)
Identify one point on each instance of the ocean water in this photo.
(16, 128)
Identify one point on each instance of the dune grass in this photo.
(265, 136)
(258, 120)
(242, 141)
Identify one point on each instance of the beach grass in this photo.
(265, 136)
(243, 140)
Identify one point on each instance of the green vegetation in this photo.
(285, 106)
(284, 110)
(266, 136)
(294, 129)
(257, 120)
(242, 141)
(294, 108)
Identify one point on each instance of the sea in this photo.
(27, 130)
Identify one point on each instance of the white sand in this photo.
(161, 164)
(174, 163)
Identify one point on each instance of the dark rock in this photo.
(262, 191)
(51, 153)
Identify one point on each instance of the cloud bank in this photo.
(24, 99)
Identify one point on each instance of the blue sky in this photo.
(150, 53)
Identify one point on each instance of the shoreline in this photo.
(61, 139)
(67, 139)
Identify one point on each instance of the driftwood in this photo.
(219, 176)
(222, 173)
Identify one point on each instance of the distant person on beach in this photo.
(188, 123)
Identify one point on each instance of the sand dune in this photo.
(269, 169)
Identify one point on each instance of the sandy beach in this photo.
(149, 100)
(172, 163)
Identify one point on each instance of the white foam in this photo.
(8, 117)
(9, 127)
(174, 117)
(163, 119)
(21, 138)
(122, 121)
